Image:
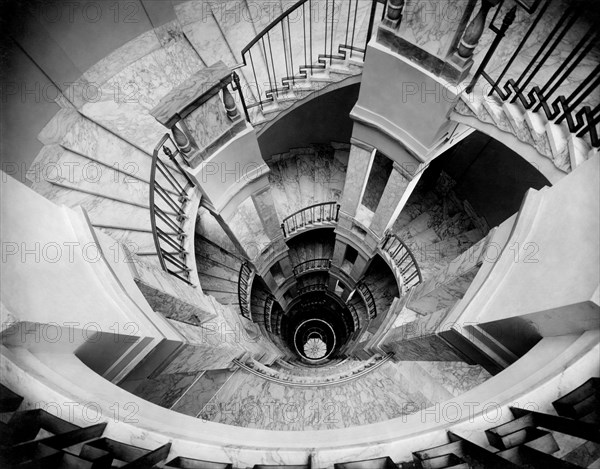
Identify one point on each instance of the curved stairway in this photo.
(307, 176)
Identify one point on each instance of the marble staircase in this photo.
(388, 391)
(566, 439)
(311, 246)
(82, 164)
(306, 176)
(553, 141)
(218, 270)
(437, 227)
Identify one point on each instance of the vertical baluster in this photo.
(332, 30)
(354, 27)
(394, 13)
(473, 33)
(326, 15)
(262, 40)
(508, 20)
(285, 51)
(311, 35)
(229, 103)
(348, 23)
(236, 81)
(273, 64)
(304, 31)
(181, 139)
(371, 21)
(291, 51)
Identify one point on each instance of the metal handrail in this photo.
(244, 282)
(368, 298)
(269, 302)
(312, 287)
(311, 265)
(331, 214)
(307, 47)
(582, 120)
(173, 215)
(404, 259)
(354, 314)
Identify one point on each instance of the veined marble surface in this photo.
(201, 392)
(248, 229)
(248, 400)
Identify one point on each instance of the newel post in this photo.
(393, 15)
(461, 60)
(474, 31)
(229, 102)
(182, 140)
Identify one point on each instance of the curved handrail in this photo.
(275, 52)
(572, 104)
(310, 265)
(270, 26)
(365, 292)
(244, 282)
(290, 380)
(404, 259)
(354, 314)
(327, 212)
(169, 242)
(269, 302)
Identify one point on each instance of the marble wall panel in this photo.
(249, 400)
(208, 122)
(201, 391)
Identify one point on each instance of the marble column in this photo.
(357, 174)
(338, 252)
(396, 186)
(359, 268)
(265, 206)
(286, 266)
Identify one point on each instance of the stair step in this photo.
(9, 401)
(525, 456)
(581, 401)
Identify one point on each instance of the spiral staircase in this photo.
(216, 265)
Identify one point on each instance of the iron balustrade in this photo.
(312, 265)
(564, 94)
(244, 285)
(354, 314)
(326, 212)
(168, 201)
(269, 302)
(312, 288)
(404, 260)
(305, 38)
(368, 298)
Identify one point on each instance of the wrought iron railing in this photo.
(168, 200)
(244, 288)
(326, 212)
(312, 288)
(562, 73)
(269, 302)
(367, 296)
(312, 265)
(304, 39)
(404, 260)
(354, 314)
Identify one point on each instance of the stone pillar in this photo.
(359, 167)
(393, 193)
(359, 268)
(265, 206)
(338, 252)
(286, 266)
